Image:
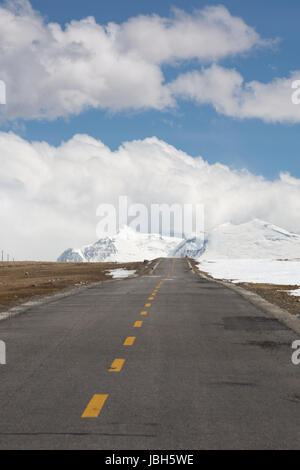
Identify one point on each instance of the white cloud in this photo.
(49, 195)
(52, 71)
(226, 90)
(208, 35)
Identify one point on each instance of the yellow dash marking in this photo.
(129, 341)
(94, 407)
(151, 298)
(116, 365)
(138, 324)
(147, 305)
(144, 312)
(154, 294)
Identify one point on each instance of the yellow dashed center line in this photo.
(94, 407)
(116, 365)
(96, 404)
(129, 341)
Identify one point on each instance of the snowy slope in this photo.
(255, 252)
(255, 239)
(126, 245)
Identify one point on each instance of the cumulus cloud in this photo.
(226, 90)
(49, 195)
(52, 71)
(208, 35)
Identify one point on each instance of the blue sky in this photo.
(262, 147)
(140, 82)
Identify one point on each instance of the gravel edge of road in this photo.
(24, 307)
(279, 313)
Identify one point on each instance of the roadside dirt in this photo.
(275, 294)
(21, 281)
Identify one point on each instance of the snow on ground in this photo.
(120, 273)
(295, 293)
(262, 271)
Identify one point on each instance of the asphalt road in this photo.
(206, 370)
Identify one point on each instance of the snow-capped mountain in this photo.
(191, 248)
(255, 239)
(126, 245)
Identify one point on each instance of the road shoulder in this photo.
(282, 315)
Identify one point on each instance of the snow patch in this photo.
(121, 273)
(294, 293)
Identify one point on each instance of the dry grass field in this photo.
(21, 281)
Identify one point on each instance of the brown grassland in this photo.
(21, 281)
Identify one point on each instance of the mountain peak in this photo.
(125, 232)
(253, 239)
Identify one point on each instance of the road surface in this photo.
(199, 368)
